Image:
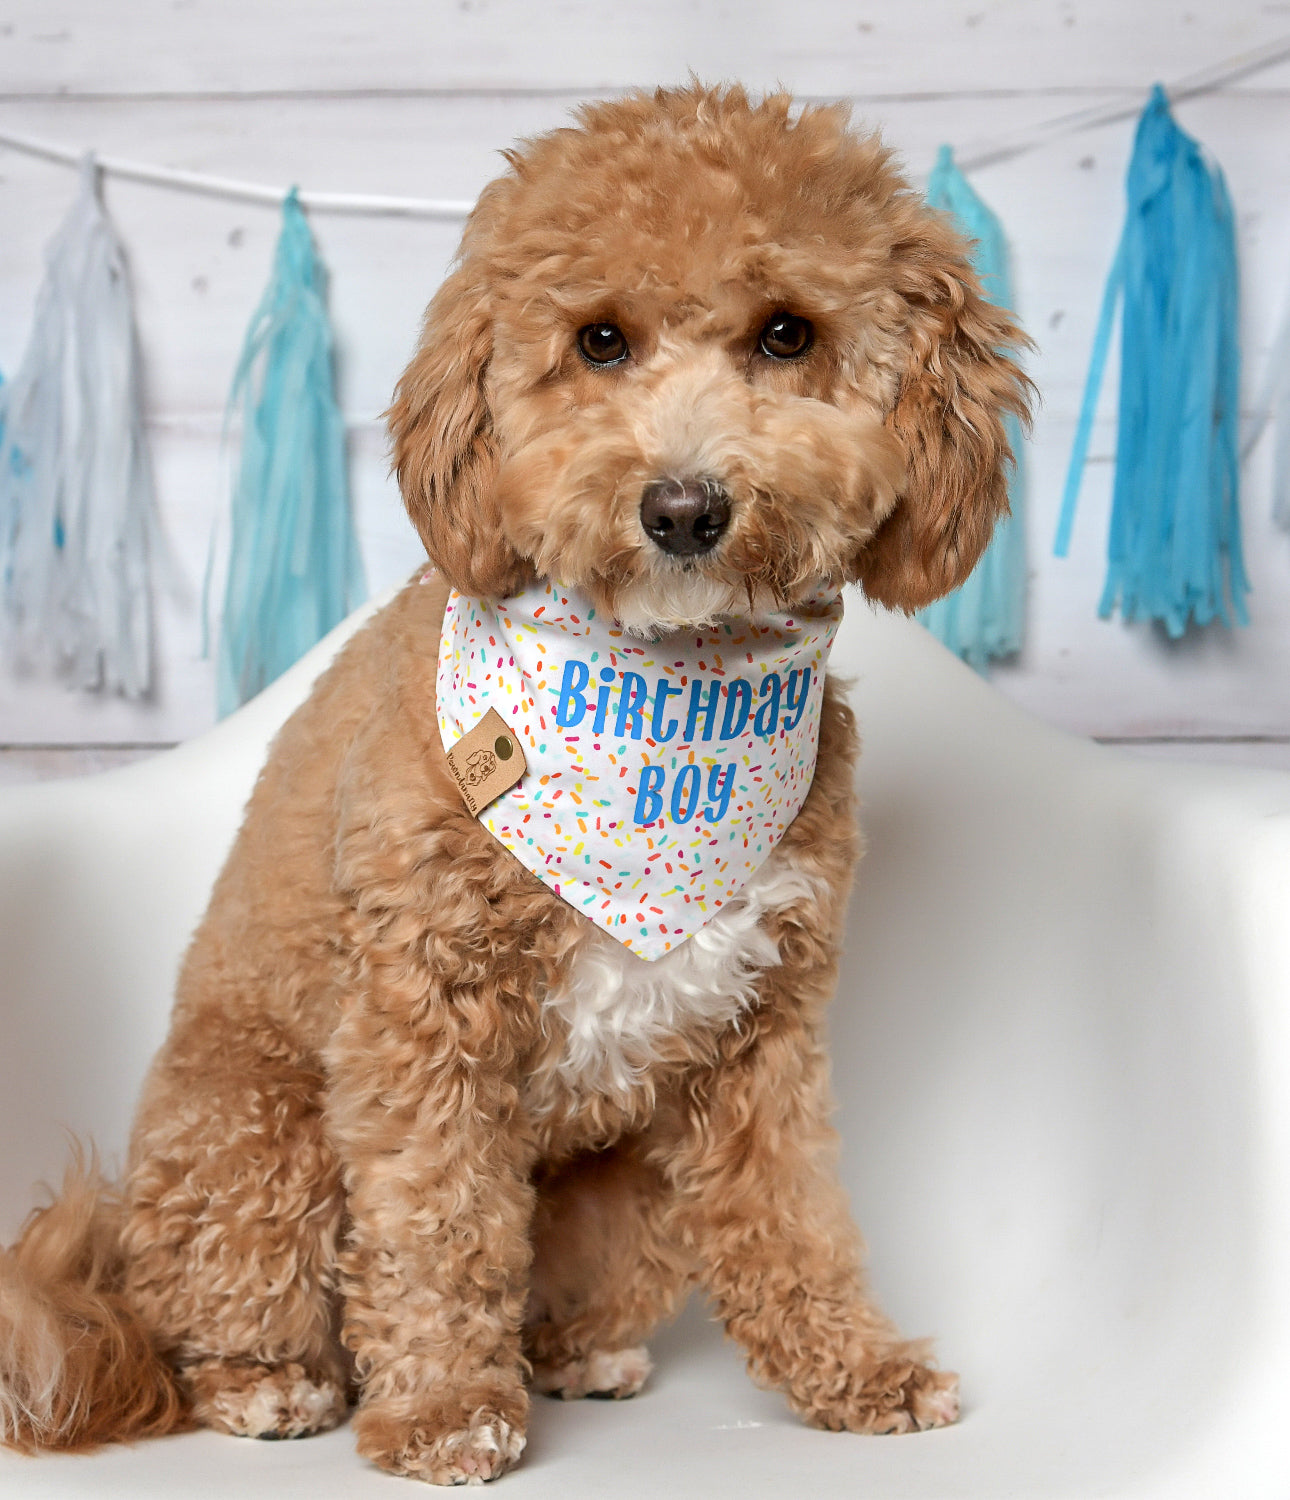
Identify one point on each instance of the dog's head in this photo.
(699, 355)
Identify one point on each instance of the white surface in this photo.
(1063, 1060)
(401, 96)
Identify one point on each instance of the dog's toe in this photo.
(610, 1374)
(935, 1402)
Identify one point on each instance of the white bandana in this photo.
(660, 774)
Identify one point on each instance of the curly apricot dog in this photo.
(445, 1111)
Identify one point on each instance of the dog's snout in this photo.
(685, 516)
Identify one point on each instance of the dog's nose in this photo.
(685, 516)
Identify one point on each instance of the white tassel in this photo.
(1272, 409)
(76, 497)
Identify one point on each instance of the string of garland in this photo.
(77, 515)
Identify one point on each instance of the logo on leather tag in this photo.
(486, 762)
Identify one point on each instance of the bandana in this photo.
(660, 775)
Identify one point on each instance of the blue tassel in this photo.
(77, 513)
(294, 567)
(1174, 552)
(984, 617)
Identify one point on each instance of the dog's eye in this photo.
(786, 336)
(602, 343)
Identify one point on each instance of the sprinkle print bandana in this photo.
(660, 774)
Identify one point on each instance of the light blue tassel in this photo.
(1174, 552)
(294, 567)
(984, 617)
(77, 514)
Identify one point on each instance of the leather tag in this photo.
(486, 762)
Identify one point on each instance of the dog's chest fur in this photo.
(614, 1016)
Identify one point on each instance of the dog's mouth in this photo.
(680, 598)
(739, 521)
(687, 554)
(674, 584)
(695, 583)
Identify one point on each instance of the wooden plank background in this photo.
(415, 98)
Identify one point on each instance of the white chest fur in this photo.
(617, 1009)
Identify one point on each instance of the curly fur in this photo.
(75, 1361)
(419, 1135)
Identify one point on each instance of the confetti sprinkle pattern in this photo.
(660, 774)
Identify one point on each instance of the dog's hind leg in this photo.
(604, 1275)
(234, 1209)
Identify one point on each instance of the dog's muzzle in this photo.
(684, 517)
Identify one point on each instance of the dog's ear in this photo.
(444, 449)
(959, 384)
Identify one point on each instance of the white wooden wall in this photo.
(414, 97)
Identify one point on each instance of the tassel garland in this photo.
(79, 536)
(984, 617)
(77, 518)
(1174, 553)
(294, 568)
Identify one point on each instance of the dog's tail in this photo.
(76, 1366)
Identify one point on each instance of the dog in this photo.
(434, 1127)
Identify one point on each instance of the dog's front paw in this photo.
(612, 1373)
(441, 1446)
(250, 1399)
(897, 1393)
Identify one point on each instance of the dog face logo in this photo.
(480, 765)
